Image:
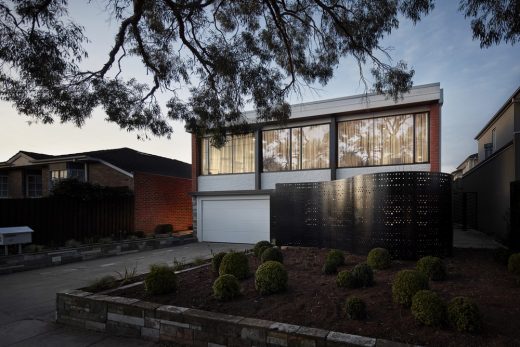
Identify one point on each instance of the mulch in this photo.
(313, 299)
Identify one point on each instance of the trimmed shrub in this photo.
(513, 265)
(428, 308)
(329, 268)
(217, 259)
(271, 277)
(336, 257)
(355, 308)
(259, 245)
(464, 315)
(103, 283)
(406, 284)
(236, 264)
(272, 253)
(432, 267)
(160, 280)
(72, 243)
(226, 287)
(379, 258)
(163, 229)
(345, 279)
(360, 276)
(501, 255)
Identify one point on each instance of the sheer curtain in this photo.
(243, 153)
(315, 147)
(421, 138)
(275, 149)
(354, 142)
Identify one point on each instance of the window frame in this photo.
(27, 190)
(206, 151)
(6, 190)
(415, 162)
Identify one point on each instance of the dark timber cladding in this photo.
(409, 213)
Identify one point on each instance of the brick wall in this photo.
(101, 174)
(162, 200)
(435, 137)
(15, 182)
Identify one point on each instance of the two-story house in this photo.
(322, 141)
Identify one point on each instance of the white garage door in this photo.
(235, 220)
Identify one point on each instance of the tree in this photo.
(228, 53)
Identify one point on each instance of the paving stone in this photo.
(313, 332)
(123, 329)
(125, 319)
(167, 312)
(286, 328)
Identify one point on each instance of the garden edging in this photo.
(191, 327)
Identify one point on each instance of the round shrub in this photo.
(432, 267)
(355, 308)
(379, 258)
(336, 257)
(464, 315)
(272, 253)
(360, 276)
(406, 284)
(345, 279)
(217, 259)
(513, 265)
(236, 264)
(428, 308)
(501, 255)
(160, 280)
(329, 268)
(226, 287)
(271, 277)
(259, 245)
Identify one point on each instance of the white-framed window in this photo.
(4, 186)
(33, 186)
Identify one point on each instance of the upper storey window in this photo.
(236, 156)
(296, 148)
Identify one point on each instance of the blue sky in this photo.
(440, 48)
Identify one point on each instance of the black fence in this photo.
(409, 213)
(465, 209)
(55, 220)
(514, 234)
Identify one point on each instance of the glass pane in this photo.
(275, 150)
(315, 147)
(393, 140)
(354, 143)
(244, 153)
(421, 138)
(204, 157)
(220, 159)
(296, 139)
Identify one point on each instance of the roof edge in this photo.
(497, 115)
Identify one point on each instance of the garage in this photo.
(243, 219)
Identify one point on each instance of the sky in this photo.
(440, 48)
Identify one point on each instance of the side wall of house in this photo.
(104, 175)
(162, 200)
(504, 126)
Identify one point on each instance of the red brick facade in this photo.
(162, 200)
(435, 138)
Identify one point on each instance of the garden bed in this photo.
(314, 300)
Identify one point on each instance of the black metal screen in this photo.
(408, 213)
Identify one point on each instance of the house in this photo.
(468, 164)
(322, 141)
(160, 185)
(497, 168)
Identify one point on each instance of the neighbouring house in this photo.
(490, 181)
(468, 164)
(322, 141)
(160, 185)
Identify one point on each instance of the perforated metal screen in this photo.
(409, 213)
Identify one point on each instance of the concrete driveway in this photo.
(27, 299)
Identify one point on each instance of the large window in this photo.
(73, 171)
(296, 148)
(4, 186)
(236, 156)
(390, 140)
(34, 186)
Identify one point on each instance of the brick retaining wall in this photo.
(191, 327)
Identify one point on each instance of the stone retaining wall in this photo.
(191, 327)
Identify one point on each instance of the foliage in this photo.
(258, 247)
(272, 253)
(179, 264)
(355, 308)
(236, 264)
(104, 240)
(216, 260)
(360, 276)
(72, 243)
(513, 264)
(464, 315)
(103, 283)
(379, 258)
(226, 287)
(160, 280)
(163, 229)
(432, 267)
(406, 284)
(33, 248)
(198, 261)
(271, 277)
(329, 268)
(336, 257)
(86, 191)
(127, 275)
(428, 308)
(501, 255)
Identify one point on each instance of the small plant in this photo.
(345, 279)
(259, 245)
(428, 308)
(126, 275)
(160, 280)
(105, 240)
(217, 259)
(379, 258)
(72, 243)
(162, 229)
(432, 267)
(198, 261)
(272, 253)
(501, 255)
(355, 308)
(226, 287)
(513, 265)
(464, 315)
(336, 257)
(271, 277)
(406, 284)
(329, 268)
(179, 265)
(33, 248)
(360, 276)
(236, 264)
(103, 283)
